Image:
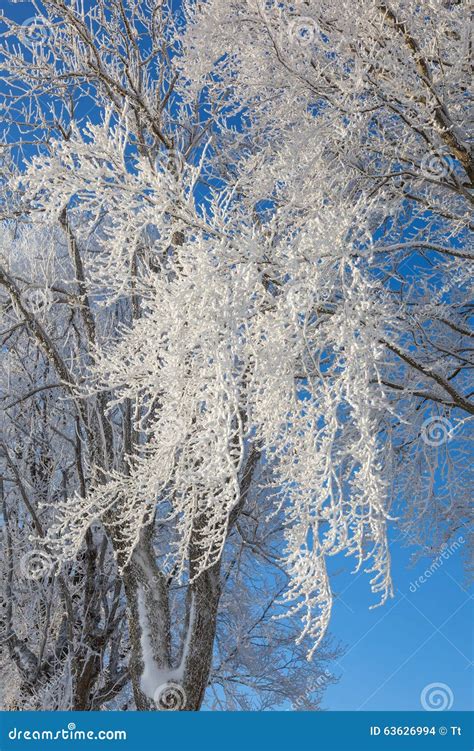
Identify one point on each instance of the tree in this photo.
(361, 111)
(252, 296)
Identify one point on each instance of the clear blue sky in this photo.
(418, 638)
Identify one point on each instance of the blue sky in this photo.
(422, 636)
(418, 638)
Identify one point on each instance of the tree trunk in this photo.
(203, 603)
(148, 621)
